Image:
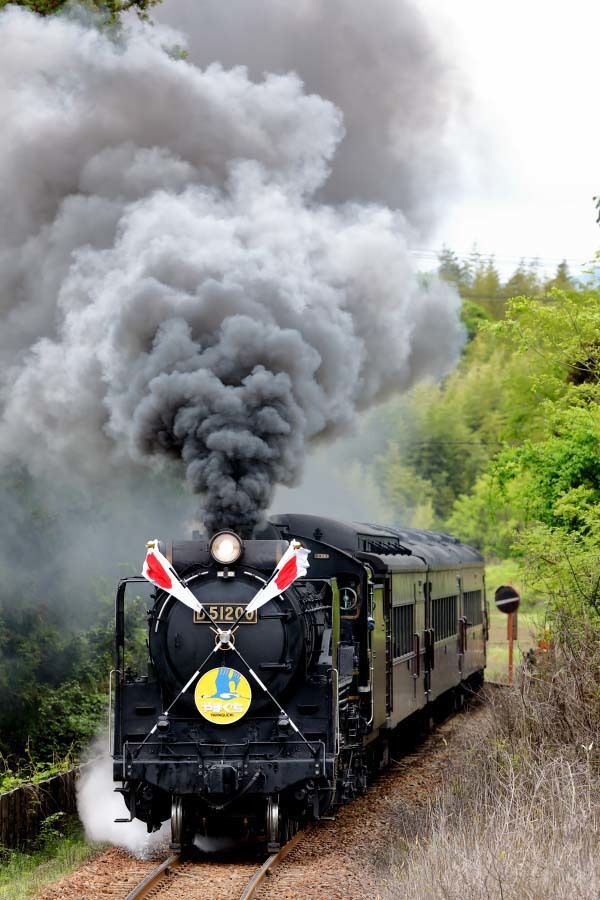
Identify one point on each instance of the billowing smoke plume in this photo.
(387, 66)
(99, 807)
(169, 285)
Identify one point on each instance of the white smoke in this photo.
(98, 807)
(169, 285)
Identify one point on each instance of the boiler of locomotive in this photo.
(224, 574)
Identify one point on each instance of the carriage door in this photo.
(428, 642)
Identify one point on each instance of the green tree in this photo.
(476, 278)
(523, 282)
(486, 281)
(562, 280)
(510, 441)
(485, 288)
(433, 453)
(473, 316)
(449, 266)
(547, 473)
(111, 9)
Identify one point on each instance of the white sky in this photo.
(532, 67)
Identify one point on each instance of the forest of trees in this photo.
(505, 453)
(484, 293)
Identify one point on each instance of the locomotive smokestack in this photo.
(172, 287)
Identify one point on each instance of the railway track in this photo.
(175, 878)
(340, 859)
(147, 885)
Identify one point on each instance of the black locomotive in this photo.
(287, 716)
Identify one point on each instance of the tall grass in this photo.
(60, 848)
(519, 814)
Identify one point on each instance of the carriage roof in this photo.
(396, 547)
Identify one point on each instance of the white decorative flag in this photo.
(292, 565)
(158, 570)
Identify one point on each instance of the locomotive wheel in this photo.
(291, 827)
(273, 823)
(361, 773)
(177, 824)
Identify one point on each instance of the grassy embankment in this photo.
(518, 815)
(518, 818)
(60, 849)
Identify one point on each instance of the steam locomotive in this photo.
(290, 713)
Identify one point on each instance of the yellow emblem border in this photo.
(223, 695)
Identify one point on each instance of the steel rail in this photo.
(155, 876)
(268, 865)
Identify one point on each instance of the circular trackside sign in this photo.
(507, 598)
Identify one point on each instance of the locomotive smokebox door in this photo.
(507, 598)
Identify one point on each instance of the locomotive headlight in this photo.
(226, 547)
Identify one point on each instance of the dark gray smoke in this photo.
(386, 64)
(169, 285)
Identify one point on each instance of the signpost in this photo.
(507, 600)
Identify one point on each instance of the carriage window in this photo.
(443, 617)
(402, 629)
(473, 610)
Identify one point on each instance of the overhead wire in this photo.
(484, 256)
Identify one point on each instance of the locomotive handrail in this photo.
(120, 613)
(119, 655)
(131, 753)
(219, 746)
(335, 681)
(368, 689)
(110, 690)
(119, 651)
(129, 747)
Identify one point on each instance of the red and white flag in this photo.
(292, 565)
(158, 570)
